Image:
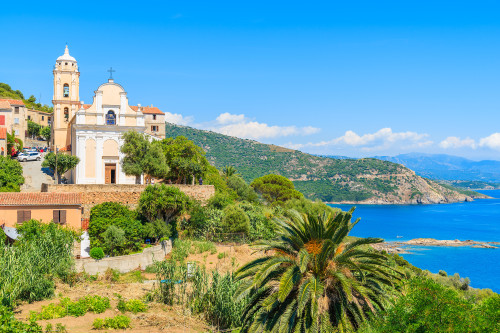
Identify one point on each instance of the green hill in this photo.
(331, 180)
(6, 92)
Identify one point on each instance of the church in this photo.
(93, 132)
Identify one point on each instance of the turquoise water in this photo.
(478, 220)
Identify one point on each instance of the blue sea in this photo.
(478, 220)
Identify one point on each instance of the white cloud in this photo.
(241, 126)
(226, 118)
(178, 119)
(492, 141)
(456, 142)
(383, 138)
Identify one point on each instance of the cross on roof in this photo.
(111, 72)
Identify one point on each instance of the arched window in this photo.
(66, 90)
(111, 118)
(66, 113)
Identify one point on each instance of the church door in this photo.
(110, 174)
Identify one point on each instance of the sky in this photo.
(350, 78)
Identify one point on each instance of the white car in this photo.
(29, 156)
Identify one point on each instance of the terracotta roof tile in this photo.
(4, 104)
(14, 199)
(14, 102)
(3, 133)
(148, 110)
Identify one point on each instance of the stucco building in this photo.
(13, 114)
(61, 208)
(93, 132)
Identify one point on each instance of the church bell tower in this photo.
(66, 99)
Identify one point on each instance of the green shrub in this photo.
(65, 307)
(114, 240)
(118, 322)
(222, 255)
(98, 323)
(220, 200)
(235, 220)
(9, 324)
(180, 249)
(96, 253)
(132, 305)
(443, 273)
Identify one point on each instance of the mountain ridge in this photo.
(367, 180)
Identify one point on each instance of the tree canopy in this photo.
(275, 188)
(64, 162)
(184, 158)
(46, 133)
(11, 175)
(143, 156)
(162, 202)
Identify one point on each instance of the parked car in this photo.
(29, 156)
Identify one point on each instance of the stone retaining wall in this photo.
(126, 194)
(125, 263)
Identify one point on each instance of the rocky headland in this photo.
(404, 247)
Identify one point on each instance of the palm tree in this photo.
(313, 278)
(229, 171)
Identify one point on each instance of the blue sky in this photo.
(354, 78)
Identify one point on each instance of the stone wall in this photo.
(126, 194)
(125, 263)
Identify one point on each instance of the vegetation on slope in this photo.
(327, 179)
(6, 92)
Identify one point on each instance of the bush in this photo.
(235, 220)
(9, 324)
(118, 322)
(443, 273)
(132, 305)
(65, 307)
(96, 253)
(220, 200)
(242, 189)
(114, 240)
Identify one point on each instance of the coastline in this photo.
(411, 202)
(403, 247)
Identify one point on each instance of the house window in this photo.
(16, 110)
(29, 118)
(111, 118)
(154, 117)
(16, 120)
(2, 119)
(66, 90)
(59, 216)
(154, 128)
(66, 114)
(23, 216)
(42, 117)
(16, 132)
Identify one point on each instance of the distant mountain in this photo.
(448, 167)
(330, 180)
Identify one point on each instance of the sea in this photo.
(478, 220)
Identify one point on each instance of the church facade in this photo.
(94, 132)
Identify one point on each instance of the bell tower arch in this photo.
(66, 99)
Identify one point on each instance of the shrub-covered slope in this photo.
(331, 180)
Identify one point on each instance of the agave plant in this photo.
(312, 278)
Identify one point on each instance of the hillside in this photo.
(448, 167)
(331, 180)
(6, 92)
